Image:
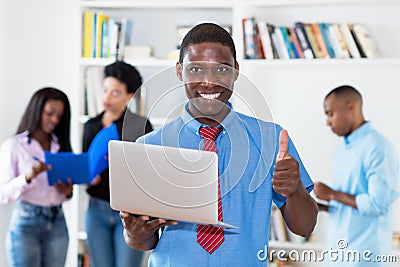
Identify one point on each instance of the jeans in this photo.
(105, 240)
(37, 236)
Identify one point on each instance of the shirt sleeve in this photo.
(11, 183)
(278, 199)
(381, 172)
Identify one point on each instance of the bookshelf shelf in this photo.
(363, 62)
(157, 4)
(150, 62)
(272, 3)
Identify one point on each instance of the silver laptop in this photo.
(164, 182)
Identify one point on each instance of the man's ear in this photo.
(236, 70)
(178, 68)
(351, 106)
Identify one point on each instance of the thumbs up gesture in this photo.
(286, 179)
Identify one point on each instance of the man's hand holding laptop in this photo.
(142, 231)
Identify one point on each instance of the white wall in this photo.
(39, 46)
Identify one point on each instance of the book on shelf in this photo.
(101, 19)
(271, 30)
(324, 29)
(88, 34)
(259, 43)
(281, 45)
(306, 40)
(278, 225)
(250, 38)
(313, 40)
(303, 40)
(104, 37)
(109, 39)
(265, 38)
(365, 42)
(124, 37)
(83, 260)
(279, 231)
(338, 42)
(348, 37)
(323, 51)
(287, 43)
(295, 42)
(93, 90)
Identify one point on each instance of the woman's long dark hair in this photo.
(31, 120)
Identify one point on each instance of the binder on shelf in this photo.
(84, 167)
(88, 34)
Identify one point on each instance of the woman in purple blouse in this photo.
(37, 235)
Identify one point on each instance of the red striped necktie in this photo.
(208, 236)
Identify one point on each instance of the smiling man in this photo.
(248, 149)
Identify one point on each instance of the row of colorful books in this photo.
(104, 37)
(263, 40)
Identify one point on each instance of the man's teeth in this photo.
(210, 96)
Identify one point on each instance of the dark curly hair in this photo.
(125, 73)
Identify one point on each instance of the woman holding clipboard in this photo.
(37, 234)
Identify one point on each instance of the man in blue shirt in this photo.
(255, 165)
(365, 174)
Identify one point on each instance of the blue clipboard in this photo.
(83, 167)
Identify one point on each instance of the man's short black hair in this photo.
(207, 32)
(125, 73)
(347, 92)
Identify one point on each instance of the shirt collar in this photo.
(25, 137)
(360, 131)
(194, 125)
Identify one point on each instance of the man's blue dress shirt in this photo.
(247, 148)
(365, 165)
